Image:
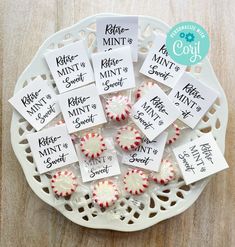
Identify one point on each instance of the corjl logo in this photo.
(187, 43)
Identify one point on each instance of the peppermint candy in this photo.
(92, 145)
(173, 133)
(177, 171)
(118, 108)
(166, 173)
(135, 181)
(128, 138)
(64, 183)
(105, 193)
(143, 89)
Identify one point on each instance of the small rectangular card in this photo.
(81, 108)
(159, 66)
(148, 155)
(113, 70)
(193, 98)
(102, 167)
(70, 66)
(52, 148)
(154, 112)
(200, 158)
(113, 32)
(37, 103)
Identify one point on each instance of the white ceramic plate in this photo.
(160, 203)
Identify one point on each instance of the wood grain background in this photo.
(25, 219)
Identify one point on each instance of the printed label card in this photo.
(37, 103)
(104, 166)
(81, 108)
(113, 70)
(154, 112)
(159, 66)
(148, 155)
(113, 32)
(193, 99)
(200, 158)
(70, 66)
(52, 148)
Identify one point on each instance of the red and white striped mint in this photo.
(105, 193)
(166, 173)
(177, 171)
(118, 108)
(92, 145)
(143, 89)
(74, 137)
(135, 181)
(173, 133)
(64, 183)
(128, 138)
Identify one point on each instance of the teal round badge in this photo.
(187, 43)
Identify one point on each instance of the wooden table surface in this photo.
(28, 221)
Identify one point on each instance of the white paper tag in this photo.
(200, 158)
(154, 112)
(36, 103)
(70, 66)
(113, 32)
(148, 155)
(193, 99)
(113, 70)
(159, 66)
(104, 166)
(52, 148)
(81, 108)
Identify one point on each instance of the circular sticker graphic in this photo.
(187, 43)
